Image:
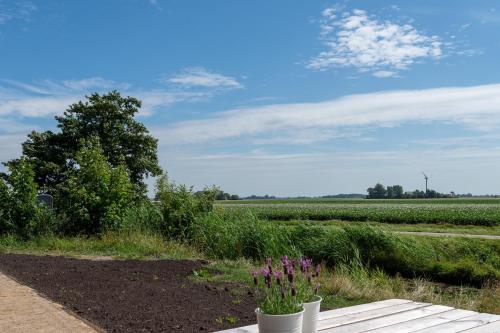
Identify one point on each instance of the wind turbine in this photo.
(426, 180)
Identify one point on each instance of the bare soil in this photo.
(133, 295)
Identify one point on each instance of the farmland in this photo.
(477, 212)
(391, 229)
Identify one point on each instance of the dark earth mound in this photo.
(134, 296)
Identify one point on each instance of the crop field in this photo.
(459, 201)
(475, 212)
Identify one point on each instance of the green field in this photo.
(479, 212)
(467, 201)
(401, 227)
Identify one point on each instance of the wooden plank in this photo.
(334, 313)
(425, 322)
(361, 308)
(493, 327)
(327, 324)
(462, 324)
(388, 320)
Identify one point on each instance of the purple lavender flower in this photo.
(267, 276)
(282, 291)
(305, 264)
(290, 274)
(302, 263)
(294, 291)
(285, 262)
(318, 270)
(269, 262)
(277, 276)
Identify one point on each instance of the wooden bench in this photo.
(398, 316)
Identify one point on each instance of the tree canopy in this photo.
(109, 118)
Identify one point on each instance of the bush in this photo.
(20, 213)
(143, 217)
(179, 206)
(95, 197)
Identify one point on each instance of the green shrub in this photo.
(144, 216)
(179, 206)
(5, 223)
(96, 195)
(20, 213)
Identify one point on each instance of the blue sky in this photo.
(278, 97)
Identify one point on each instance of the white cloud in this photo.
(11, 146)
(385, 74)
(356, 39)
(35, 106)
(47, 98)
(475, 107)
(200, 77)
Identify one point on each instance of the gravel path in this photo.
(23, 310)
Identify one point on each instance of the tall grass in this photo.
(356, 282)
(451, 260)
(244, 236)
(124, 245)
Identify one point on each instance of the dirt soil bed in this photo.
(132, 295)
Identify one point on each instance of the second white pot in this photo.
(311, 313)
(289, 323)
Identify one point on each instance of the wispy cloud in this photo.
(94, 83)
(16, 10)
(154, 3)
(486, 16)
(48, 97)
(474, 107)
(385, 74)
(357, 39)
(196, 77)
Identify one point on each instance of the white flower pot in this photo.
(289, 323)
(311, 313)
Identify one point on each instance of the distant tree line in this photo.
(259, 197)
(344, 196)
(221, 195)
(379, 191)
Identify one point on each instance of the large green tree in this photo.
(108, 117)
